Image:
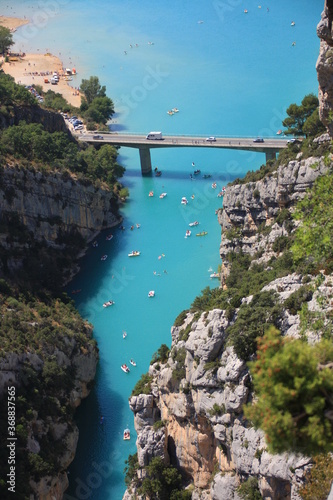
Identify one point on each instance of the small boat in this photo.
(170, 113)
(214, 185)
(134, 253)
(158, 173)
(195, 223)
(245, 11)
(292, 23)
(151, 193)
(279, 132)
(76, 291)
(215, 275)
(220, 194)
(188, 233)
(125, 368)
(151, 293)
(293, 44)
(109, 237)
(203, 233)
(133, 363)
(108, 303)
(127, 434)
(95, 244)
(175, 110)
(163, 195)
(206, 176)
(138, 225)
(124, 335)
(200, 22)
(184, 201)
(104, 257)
(196, 172)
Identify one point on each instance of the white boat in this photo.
(195, 223)
(134, 253)
(95, 244)
(108, 303)
(163, 195)
(184, 201)
(133, 363)
(127, 434)
(109, 237)
(124, 335)
(104, 257)
(215, 275)
(125, 368)
(151, 293)
(188, 233)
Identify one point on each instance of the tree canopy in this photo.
(297, 115)
(293, 382)
(6, 39)
(92, 89)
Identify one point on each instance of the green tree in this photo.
(92, 89)
(313, 125)
(6, 39)
(293, 382)
(297, 115)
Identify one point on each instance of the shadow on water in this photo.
(100, 428)
(91, 264)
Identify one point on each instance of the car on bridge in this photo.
(211, 139)
(98, 137)
(259, 139)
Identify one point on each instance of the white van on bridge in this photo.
(155, 135)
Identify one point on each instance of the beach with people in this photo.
(37, 69)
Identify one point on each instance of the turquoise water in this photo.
(233, 74)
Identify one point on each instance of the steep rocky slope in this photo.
(198, 393)
(325, 66)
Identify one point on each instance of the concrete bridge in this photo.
(268, 146)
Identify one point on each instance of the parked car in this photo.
(259, 139)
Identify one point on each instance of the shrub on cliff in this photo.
(293, 382)
(314, 237)
(253, 320)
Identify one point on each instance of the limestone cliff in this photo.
(199, 392)
(325, 66)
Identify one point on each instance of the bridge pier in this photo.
(145, 160)
(270, 155)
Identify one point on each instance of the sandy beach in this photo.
(12, 23)
(29, 69)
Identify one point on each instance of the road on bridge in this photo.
(139, 141)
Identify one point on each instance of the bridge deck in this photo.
(140, 141)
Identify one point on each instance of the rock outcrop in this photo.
(325, 66)
(249, 209)
(61, 433)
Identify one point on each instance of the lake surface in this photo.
(228, 73)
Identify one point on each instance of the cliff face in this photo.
(325, 67)
(49, 203)
(51, 121)
(201, 389)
